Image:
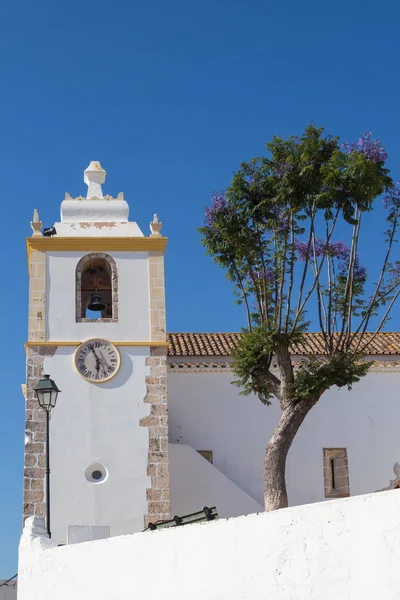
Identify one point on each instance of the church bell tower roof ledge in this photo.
(96, 244)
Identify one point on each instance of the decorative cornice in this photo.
(95, 244)
(106, 197)
(378, 366)
(200, 367)
(385, 365)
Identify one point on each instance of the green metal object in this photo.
(46, 392)
(207, 514)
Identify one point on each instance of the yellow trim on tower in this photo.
(73, 343)
(96, 244)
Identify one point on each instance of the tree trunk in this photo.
(275, 495)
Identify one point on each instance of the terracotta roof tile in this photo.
(221, 344)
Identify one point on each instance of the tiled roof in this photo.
(221, 344)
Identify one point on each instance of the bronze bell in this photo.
(96, 302)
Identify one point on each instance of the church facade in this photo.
(148, 424)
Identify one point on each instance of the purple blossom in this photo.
(301, 249)
(396, 269)
(283, 223)
(392, 200)
(360, 272)
(371, 149)
(282, 168)
(338, 250)
(267, 275)
(219, 207)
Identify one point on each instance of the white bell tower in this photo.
(109, 429)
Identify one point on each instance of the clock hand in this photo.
(96, 357)
(104, 362)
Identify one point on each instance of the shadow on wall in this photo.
(124, 373)
(195, 483)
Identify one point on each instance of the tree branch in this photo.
(282, 283)
(303, 278)
(312, 288)
(366, 318)
(239, 280)
(286, 371)
(381, 324)
(291, 275)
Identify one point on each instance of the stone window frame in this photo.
(336, 473)
(80, 267)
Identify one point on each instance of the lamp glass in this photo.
(46, 393)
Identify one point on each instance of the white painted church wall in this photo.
(207, 413)
(345, 549)
(92, 424)
(133, 299)
(196, 483)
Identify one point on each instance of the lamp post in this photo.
(46, 393)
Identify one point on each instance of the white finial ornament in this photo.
(94, 177)
(155, 226)
(36, 224)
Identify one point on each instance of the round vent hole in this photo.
(96, 473)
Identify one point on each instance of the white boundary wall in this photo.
(346, 549)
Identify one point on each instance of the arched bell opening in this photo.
(96, 288)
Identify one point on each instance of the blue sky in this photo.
(170, 97)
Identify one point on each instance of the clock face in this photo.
(97, 360)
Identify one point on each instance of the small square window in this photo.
(336, 473)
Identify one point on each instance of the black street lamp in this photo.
(46, 393)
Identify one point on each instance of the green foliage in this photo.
(253, 357)
(314, 375)
(272, 231)
(252, 360)
(317, 374)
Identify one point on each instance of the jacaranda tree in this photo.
(274, 232)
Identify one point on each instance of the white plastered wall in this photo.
(344, 549)
(99, 424)
(133, 299)
(207, 413)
